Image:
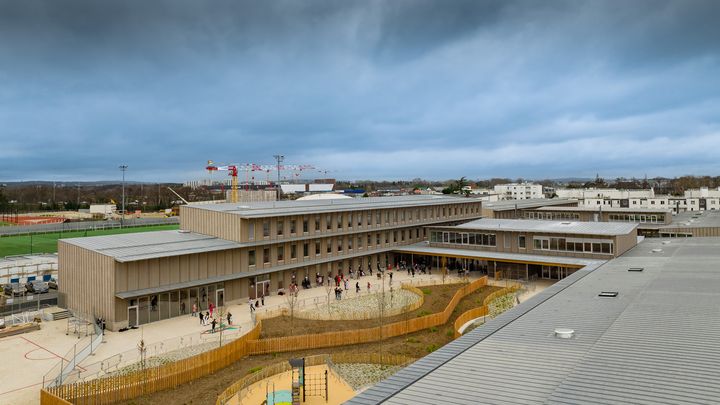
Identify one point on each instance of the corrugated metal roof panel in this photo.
(571, 227)
(656, 342)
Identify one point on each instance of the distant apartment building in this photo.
(693, 200)
(519, 191)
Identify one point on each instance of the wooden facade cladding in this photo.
(86, 281)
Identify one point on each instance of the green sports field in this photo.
(47, 242)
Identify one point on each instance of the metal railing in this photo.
(69, 363)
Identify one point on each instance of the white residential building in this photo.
(519, 191)
(694, 200)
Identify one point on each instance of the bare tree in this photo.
(220, 314)
(292, 301)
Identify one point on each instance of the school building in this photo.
(229, 252)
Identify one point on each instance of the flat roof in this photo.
(655, 342)
(423, 248)
(608, 209)
(299, 207)
(694, 219)
(529, 225)
(507, 205)
(150, 245)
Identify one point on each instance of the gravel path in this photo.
(360, 307)
(360, 375)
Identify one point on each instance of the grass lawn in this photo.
(3, 223)
(47, 242)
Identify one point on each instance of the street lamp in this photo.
(122, 218)
(279, 159)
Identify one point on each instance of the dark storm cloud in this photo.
(368, 89)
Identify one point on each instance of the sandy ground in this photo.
(28, 357)
(338, 390)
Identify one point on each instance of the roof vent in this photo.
(566, 223)
(666, 242)
(608, 294)
(183, 231)
(638, 269)
(564, 333)
(658, 250)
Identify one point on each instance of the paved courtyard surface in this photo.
(27, 358)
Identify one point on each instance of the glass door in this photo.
(132, 316)
(220, 297)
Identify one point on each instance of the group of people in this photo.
(256, 303)
(415, 268)
(207, 318)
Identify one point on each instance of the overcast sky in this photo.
(363, 89)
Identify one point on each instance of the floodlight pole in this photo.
(122, 218)
(279, 159)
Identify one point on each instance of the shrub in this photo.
(426, 291)
(450, 333)
(412, 340)
(431, 348)
(423, 313)
(433, 329)
(254, 370)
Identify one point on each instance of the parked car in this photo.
(14, 290)
(52, 284)
(37, 287)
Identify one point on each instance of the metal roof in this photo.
(299, 207)
(695, 219)
(655, 343)
(424, 249)
(507, 205)
(609, 209)
(529, 225)
(150, 245)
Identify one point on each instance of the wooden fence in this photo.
(124, 387)
(356, 336)
(112, 389)
(483, 310)
(242, 386)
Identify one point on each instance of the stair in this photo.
(61, 315)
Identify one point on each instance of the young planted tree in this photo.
(291, 298)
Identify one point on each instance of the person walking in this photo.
(345, 282)
(229, 318)
(213, 323)
(357, 288)
(211, 307)
(182, 308)
(202, 320)
(252, 305)
(368, 286)
(262, 300)
(194, 309)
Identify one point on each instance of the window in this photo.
(266, 255)
(360, 217)
(350, 220)
(378, 217)
(317, 224)
(280, 228)
(317, 248)
(293, 227)
(521, 241)
(293, 251)
(251, 230)
(387, 217)
(251, 258)
(306, 249)
(280, 253)
(369, 240)
(329, 246)
(328, 222)
(350, 243)
(339, 245)
(339, 221)
(305, 225)
(266, 229)
(377, 239)
(506, 241)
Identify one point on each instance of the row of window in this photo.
(642, 218)
(367, 218)
(552, 215)
(573, 245)
(336, 245)
(463, 238)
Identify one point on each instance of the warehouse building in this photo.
(228, 252)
